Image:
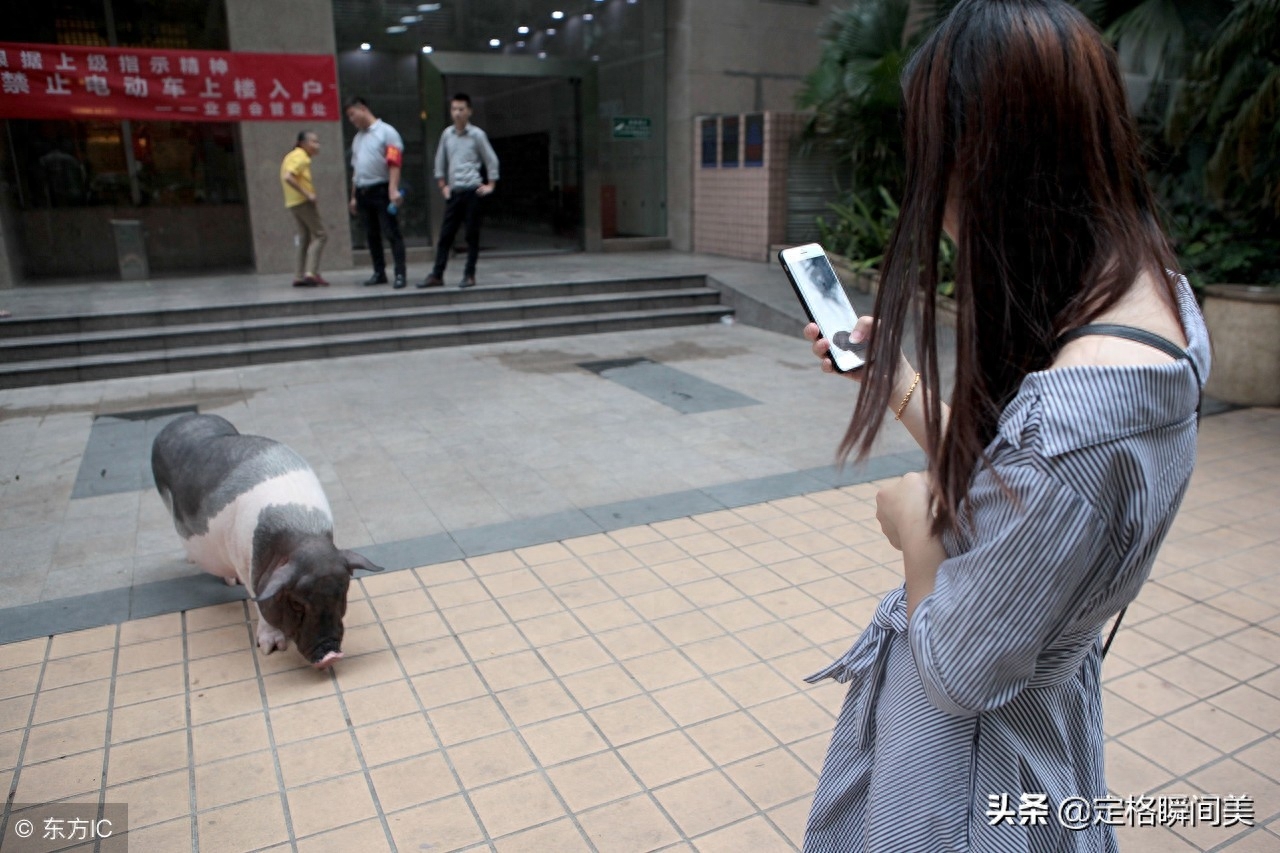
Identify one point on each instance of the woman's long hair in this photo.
(1015, 119)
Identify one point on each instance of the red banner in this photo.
(53, 81)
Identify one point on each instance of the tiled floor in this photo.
(632, 691)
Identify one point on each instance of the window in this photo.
(709, 140)
(753, 148)
(729, 142)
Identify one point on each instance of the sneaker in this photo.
(302, 282)
(469, 281)
(400, 282)
(316, 281)
(432, 280)
(376, 278)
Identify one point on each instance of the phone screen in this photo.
(828, 304)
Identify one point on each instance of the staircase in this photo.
(78, 348)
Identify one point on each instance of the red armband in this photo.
(393, 155)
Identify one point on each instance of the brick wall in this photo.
(740, 210)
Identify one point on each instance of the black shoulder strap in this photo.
(1151, 339)
(1141, 336)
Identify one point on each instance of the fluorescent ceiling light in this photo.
(524, 31)
(410, 19)
(588, 17)
(428, 7)
(495, 42)
(551, 31)
(557, 14)
(426, 48)
(365, 46)
(542, 54)
(397, 29)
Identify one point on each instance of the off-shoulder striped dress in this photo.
(994, 687)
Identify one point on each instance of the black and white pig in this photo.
(251, 510)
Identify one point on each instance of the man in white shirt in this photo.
(376, 155)
(463, 149)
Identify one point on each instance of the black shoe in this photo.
(376, 278)
(468, 281)
(400, 282)
(432, 280)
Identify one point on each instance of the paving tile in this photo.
(329, 804)
(1169, 747)
(466, 721)
(562, 739)
(65, 737)
(158, 799)
(703, 803)
(250, 825)
(1251, 705)
(413, 781)
(593, 781)
(227, 738)
(365, 836)
(630, 825)
(516, 805)
(220, 783)
(536, 702)
(393, 739)
(490, 759)
(64, 777)
(444, 824)
(324, 757)
(561, 836)
(730, 738)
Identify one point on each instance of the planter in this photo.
(1244, 330)
(863, 281)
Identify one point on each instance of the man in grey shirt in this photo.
(463, 149)
(376, 156)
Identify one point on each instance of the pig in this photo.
(250, 510)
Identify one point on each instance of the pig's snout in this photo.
(328, 660)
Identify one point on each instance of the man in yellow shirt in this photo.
(300, 197)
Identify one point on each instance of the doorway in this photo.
(533, 113)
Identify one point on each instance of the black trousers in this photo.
(372, 203)
(463, 206)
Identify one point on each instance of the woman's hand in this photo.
(905, 510)
(905, 388)
(905, 513)
(821, 346)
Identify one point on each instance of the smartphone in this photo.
(824, 300)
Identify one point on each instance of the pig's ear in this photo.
(355, 561)
(279, 579)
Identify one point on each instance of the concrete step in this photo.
(390, 313)
(239, 354)
(305, 303)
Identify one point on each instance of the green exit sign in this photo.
(632, 127)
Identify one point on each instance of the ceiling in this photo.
(468, 25)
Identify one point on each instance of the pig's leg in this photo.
(270, 638)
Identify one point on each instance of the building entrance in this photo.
(534, 124)
(533, 115)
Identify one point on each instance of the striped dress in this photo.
(966, 730)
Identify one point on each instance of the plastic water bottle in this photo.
(393, 208)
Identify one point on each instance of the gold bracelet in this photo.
(902, 407)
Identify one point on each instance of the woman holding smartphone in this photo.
(973, 719)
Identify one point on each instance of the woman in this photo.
(973, 719)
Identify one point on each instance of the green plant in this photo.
(855, 91)
(859, 230)
(1230, 106)
(1213, 244)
